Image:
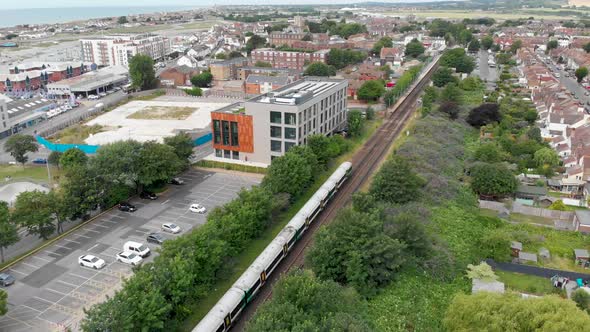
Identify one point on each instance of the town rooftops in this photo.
(298, 92)
(274, 80)
(19, 107)
(581, 253)
(583, 217)
(229, 62)
(94, 79)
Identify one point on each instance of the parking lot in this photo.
(51, 289)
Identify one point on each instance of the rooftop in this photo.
(94, 79)
(298, 92)
(20, 107)
(274, 80)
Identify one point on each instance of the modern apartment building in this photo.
(285, 59)
(268, 125)
(119, 49)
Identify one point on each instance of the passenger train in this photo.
(243, 291)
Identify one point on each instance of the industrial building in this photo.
(266, 126)
(117, 50)
(19, 114)
(91, 83)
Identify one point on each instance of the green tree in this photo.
(73, 158)
(3, 302)
(319, 69)
(319, 144)
(122, 20)
(414, 48)
(409, 230)
(182, 144)
(558, 205)
(354, 250)
(355, 123)
(32, 210)
(546, 156)
(290, 174)
(119, 163)
(202, 80)
(8, 231)
(342, 58)
(552, 44)
(451, 93)
(370, 113)
(443, 76)
(582, 299)
(586, 47)
(263, 64)
(396, 182)
(194, 91)
(482, 271)
(19, 145)
(53, 158)
(493, 180)
(487, 42)
(464, 37)
(509, 312)
(516, 45)
(535, 134)
(157, 163)
(371, 90)
(489, 153)
(255, 42)
(383, 42)
(141, 71)
(474, 46)
(581, 73)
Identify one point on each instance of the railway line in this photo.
(364, 163)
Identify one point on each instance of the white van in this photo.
(137, 248)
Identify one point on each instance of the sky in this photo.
(5, 4)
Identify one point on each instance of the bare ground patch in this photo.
(163, 113)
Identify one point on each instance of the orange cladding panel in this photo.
(245, 131)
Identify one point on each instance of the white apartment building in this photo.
(116, 50)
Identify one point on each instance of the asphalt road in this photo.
(570, 82)
(51, 289)
(485, 72)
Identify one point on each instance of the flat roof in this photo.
(19, 107)
(298, 92)
(93, 79)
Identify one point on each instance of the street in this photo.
(570, 82)
(485, 72)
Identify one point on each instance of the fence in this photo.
(491, 205)
(88, 149)
(539, 212)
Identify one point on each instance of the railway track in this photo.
(364, 163)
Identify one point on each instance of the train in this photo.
(227, 310)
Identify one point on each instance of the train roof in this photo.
(297, 221)
(212, 321)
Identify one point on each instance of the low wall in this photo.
(539, 212)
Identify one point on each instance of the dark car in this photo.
(6, 279)
(156, 238)
(40, 161)
(176, 181)
(148, 195)
(126, 207)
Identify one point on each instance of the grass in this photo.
(523, 218)
(163, 113)
(31, 173)
(460, 14)
(230, 166)
(198, 25)
(76, 134)
(526, 283)
(139, 29)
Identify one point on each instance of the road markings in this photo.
(58, 292)
(31, 265)
(94, 246)
(103, 226)
(164, 202)
(58, 245)
(79, 276)
(67, 283)
(44, 300)
(80, 235)
(92, 230)
(52, 252)
(71, 241)
(17, 271)
(43, 259)
(26, 306)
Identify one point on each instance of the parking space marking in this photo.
(84, 236)
(42, 299)
(43, 259)
(31, 265)
(64, 239)
(164, 202)
(53, 290)
(103, 226)
(67, 283)
(17, 271)
(79, 276)
(60, 246)
(94, 246)
(52, 252)
(92, 230)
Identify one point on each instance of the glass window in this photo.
(288, 145)
(227, 154)
(275, 117)
(216, 132)
(290, 118)
(275, 132)
(234, 134)
(275, 146)
(290, 133)
(218, 153)
(235, 155)
(225, 126)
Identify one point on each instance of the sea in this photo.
(13, 17)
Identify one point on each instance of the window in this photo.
(275, 117)
(275, 146)
(218, 153)
(225, 127)
(275, 132)
(235, 155)
(227, 154)
(216, 132)
(290, 118)
(288, 145)
(234, 134)
(290, 133)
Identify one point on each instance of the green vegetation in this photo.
(141, 71)
(414, 49)
(319, 69)
(381, 43)
(230, 166)
(342, 58)
(255, 42)
(19, 145)
(194, 91)
(371, 90)
(581, 73)
(341, 29)
(76, 134)
(163, 113)
(202, 80)
(32, 173)
(519, 282)
(402, 84)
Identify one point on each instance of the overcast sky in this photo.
(6, 4)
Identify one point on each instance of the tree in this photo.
(487, 42)
(414, 48)
(410, 230)
(546, 156)
(254, 42)
(319, 69)
(558, 205)
(552, 44)
(202, 80)
(535, 134)
(194, 91)
(582, 299)
(122, 20)
(383, 42)
(290, 174)
(450, 108)
(141, 71)
(32, 210)
(371, 90)
(442, 77)
(486, 311)
(342, 58)
(355, 123)
(263, 64)
(396, 182)
(119, 163)
(319, 145)
(516, 45)
(3, 302)
(353, 250)
(474, 46)
(73, 158)
(370, 113)
(465, 64)
(492, 180)
(482, 271)
(19, 145)
(8, 231)
(157, 163)
(464, 37)
(586, 47)
(182, 144)
(53, 158)
(451, 93)
(484, 114)
(307, 37)
(581, 73)
(488, 153)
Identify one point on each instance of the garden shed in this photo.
(581, 255)
(516, 247)
(524, 257)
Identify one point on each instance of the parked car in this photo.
(102, 94)
(91, 261)
(126, 207)
(171, 228)
(128, 257)
(137, 248)
(156, 238)
(148, 195)
(93, 97)
(6, 279)
(177, 181)
(40, 161)
(198, 208)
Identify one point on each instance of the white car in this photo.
(198, 208)
(128, 257)
(91, 261)
(171, 228)
(93, 97)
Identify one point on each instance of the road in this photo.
(569, 82)
(485, 72)
(51, 289)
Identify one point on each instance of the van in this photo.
(137, 248)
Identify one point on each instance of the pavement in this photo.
(485, 72)
(570, 82)
(51, 289)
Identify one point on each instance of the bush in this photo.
(484, 114)
(396, 182)
(493, 180)
(194, 91)
(450, 108)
